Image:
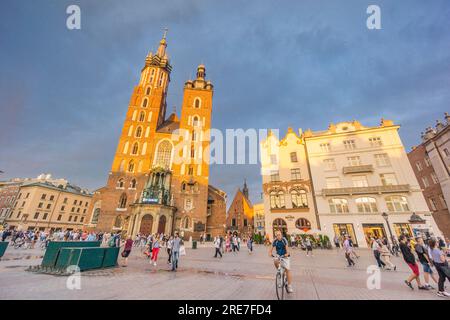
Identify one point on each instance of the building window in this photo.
(338, 205)
(138, 132)
(325, 147)
(397, 204)
(75, 219)
(330, 164)
(447, 153)
(36, 215)
(142, 116)
(233, 222)
(197, 103)
(333, 182)
(375, 142)
(123, 201)
(277, 200)
(294, 157)
(74, 202)
(349, 144)
(70, 218)
(419, 166)
(84, 210)
(354, 161)
(78, 210)
(148, 91)
(95, 216)
(82, 219)
(120, 183)
(190, 170)
(302, 224)
(59, 217)
(131, 166)
(366, 204)
(299, 199)
(40, 205)
(388, 179)
(425, 182)
(49, 206)
(295, 174)
(434, 178)
(164, 154)
(133, 184)
(432, 204)
(73, 209)
(62, 208)
(382, 160)
(65, 200)
(43, 196)
(145, 101)
(195, 121)
(186, 223)
(188, 204)
(245, 222)
(274, 176)
(443, 202)
(52, 198)
(360, 181)
(135, 149)
(44, 217)
(427, 161)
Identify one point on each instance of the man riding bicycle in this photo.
(281, 245)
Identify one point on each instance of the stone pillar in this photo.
(137, 225)
(155, 223)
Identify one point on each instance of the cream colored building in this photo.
(45, 206)
(259, 218)
(359, 173)
(287, 191)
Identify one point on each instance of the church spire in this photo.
(245, 189)
(162, 45)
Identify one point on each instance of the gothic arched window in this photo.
(145, 101)
(135, 149)
(138, 132)
(195, 121)
(142, 116)
(197, 103)
(131, 166)
(123, 201)
(163, 154)
(133, 184)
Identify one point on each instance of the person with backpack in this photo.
(128, 245)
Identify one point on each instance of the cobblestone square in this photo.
(200, 277)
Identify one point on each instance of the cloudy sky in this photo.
(274, 64)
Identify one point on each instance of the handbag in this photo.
(182, 251)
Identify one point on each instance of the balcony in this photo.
(366, 190)
(358, 169)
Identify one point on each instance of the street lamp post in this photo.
(386, 217)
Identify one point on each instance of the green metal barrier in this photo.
(54, 247)
(3, 246)
(110, 258)
(84, 258)
(194, 244)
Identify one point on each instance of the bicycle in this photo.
(281, 283)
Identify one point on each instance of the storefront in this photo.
(403, 228)
(343, 229)
(373, 231)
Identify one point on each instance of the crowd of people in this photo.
(431, 254)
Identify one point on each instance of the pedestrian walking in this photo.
(424, 259)
(377, 253)
(441, 264)
(169, 249)
(410, 260)
(348, 251)
(250, 245)
(308, 246)
(386, 256)
(128, 245)
(175, 251)
(155, 251)
(217, 244)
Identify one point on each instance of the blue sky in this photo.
(274, 64)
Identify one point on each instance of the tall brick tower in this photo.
(158, 181)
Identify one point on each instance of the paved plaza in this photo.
(200, 277)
